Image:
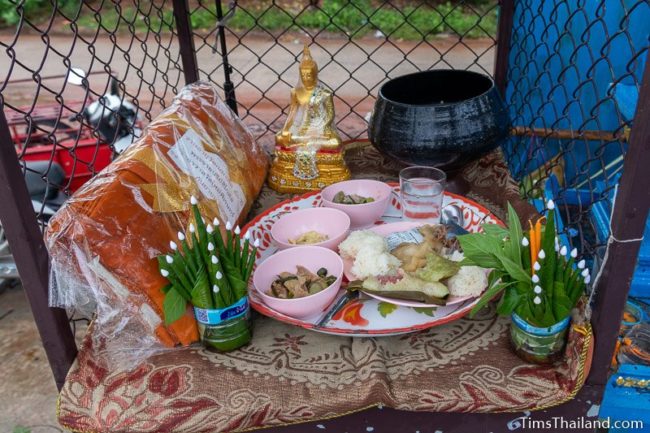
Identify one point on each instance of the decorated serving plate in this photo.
(366, 316)
(384, 230)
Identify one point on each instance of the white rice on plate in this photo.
(469, 281)
(370, 254)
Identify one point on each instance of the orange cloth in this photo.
(127, 215)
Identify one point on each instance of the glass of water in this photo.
(421, 192)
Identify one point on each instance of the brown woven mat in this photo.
(288, 374)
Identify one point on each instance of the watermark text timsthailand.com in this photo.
(559, 422)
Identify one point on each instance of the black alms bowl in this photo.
(442, 118)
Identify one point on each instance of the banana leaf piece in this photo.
(408, 295)
(238, 286)
(437, 268)
(409, 288)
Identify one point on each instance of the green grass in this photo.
(361, 18)
(355, 18)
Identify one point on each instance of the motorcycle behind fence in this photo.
(57, 157)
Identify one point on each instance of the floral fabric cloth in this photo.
(288, 374)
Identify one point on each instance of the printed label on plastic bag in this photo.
(211, 174)
(214, 317)
(394, 239)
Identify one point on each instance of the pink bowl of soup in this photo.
(365, 214)
(312, 258)
(331, 225)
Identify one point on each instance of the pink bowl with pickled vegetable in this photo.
(312, 258)
(365, 214)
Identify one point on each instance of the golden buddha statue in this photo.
(308, 151)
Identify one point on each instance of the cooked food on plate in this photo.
(307, 238)
(370, 254)
(343, 198)
(468, 281)
(407, 287)
(437, 268)
(428, 270)
(434, 240)
(302, 283)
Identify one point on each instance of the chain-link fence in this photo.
(358, 45)
(126, 57)
(574, 75)
(250, 48)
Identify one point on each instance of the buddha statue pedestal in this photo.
(308, 149)
(292, 170)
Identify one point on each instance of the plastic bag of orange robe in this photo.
(104, 241)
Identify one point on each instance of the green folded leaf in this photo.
(239, 287)
(493, 276)
(489, 294)
(549, 264)
(231, 273)
(201, 292)
(174, 306)
(515, 234)
(173, 277)
(524, 309)
(200, 226)
(514, 270)
(466, 261)
(481, 249)
(576, 287)
(189, 257)
(495, 230)
(250, 264)
(548, 317)
(562, 307)
(509, 301)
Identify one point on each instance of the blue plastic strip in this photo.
(214, 317)
(544, 332)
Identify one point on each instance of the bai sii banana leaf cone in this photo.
(208, 272)
(538, 279)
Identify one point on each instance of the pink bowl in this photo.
(361, 215)
(312, 258)
(331, 222)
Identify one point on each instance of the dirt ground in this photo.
(27, 391)
(355, 71)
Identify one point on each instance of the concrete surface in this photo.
(27, 391)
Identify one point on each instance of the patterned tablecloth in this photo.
(289, 374)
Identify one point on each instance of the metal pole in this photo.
(228, 86)
(504, 33)
(29, 252)
(186, 41)
(627, 225)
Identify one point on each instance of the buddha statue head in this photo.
(308, 70)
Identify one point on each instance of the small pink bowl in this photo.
(312, 258)
(331, 222)
(361, 215)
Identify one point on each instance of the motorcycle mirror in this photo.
(76, 76)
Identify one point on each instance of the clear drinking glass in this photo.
(421, 192)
